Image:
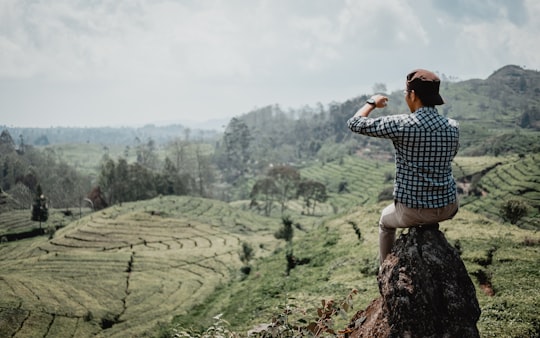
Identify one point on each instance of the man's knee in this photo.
(385, 229)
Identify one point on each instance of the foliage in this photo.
(513, 210)
(312, 192)
(286, 179)
(286, 232)
(6, 141)
(233, 153)
(281, 326)
(247, 253)
(282, 184)
(146, 153)
(123, 182)
(357, 230)
(217, 330)
(20, 170)
(264, 191)
(40, 211)
(321, 326)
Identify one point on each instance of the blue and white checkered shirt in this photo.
(425, 144)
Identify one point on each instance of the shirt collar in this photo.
(428, 110)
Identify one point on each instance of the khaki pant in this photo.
(397, 215)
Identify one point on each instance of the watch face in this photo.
(370, 101)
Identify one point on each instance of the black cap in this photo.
(426, 85)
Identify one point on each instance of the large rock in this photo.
(425, 292)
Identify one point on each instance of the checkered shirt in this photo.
(425, 144)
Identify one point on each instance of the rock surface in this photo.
(425, 292)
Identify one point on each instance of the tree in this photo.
(96, 199)
(141, 183)
(204, 172)
(513, 210)
(286, 179)
(264, 190)
(64, 186)
(165, 181)
(178, 150)
(312, 192)
(246, 254)
(107, 179)
(286, 232)
(6, 142)
(40, 211)
(22, 194)
(235, 150)
(146, 153)
(121, 181)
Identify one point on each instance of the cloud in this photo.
(488, 10)
(143, 60)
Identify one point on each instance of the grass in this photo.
(340, 262)
(516, 179)
(122, 270)
(128, 269)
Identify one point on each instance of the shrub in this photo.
(513, 210)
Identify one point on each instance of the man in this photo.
(425, 144)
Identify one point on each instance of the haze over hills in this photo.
(508, 98)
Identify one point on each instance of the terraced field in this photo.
(16, 221)
(469, 166)
(488, 181)
(118, 272)
(515, 179)
(364, 178)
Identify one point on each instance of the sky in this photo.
(94, 63)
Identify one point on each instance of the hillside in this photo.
(7, 203)
(496, 102)
(490, 181)
(500, 259)
(151, 267)
(119, 272)
(123, 270)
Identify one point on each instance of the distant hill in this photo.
(109, 135)
(508, 98)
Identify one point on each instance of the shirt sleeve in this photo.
(388, 127)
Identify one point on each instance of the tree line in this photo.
(24, 168)
(187, 169)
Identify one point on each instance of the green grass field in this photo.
(120, 271)
(340, 262)
(130, 270)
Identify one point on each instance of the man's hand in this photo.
(380, 102)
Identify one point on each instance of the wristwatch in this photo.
(371, 101)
